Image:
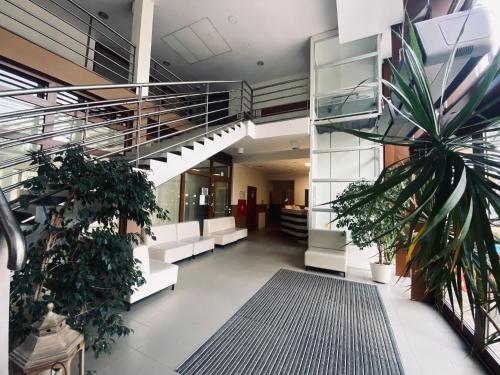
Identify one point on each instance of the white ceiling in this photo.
(268, 145)
(276, 32)
(281, 167)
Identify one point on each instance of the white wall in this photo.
(68, 41)
(243, 177)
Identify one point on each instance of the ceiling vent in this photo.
(197, 42)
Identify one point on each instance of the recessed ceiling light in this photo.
(307, 164)
(103, 15)
(232, 19)
(260, 63)
(166, 63)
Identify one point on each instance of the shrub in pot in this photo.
(365, 230)
(78, 259)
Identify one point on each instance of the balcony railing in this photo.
(67, 29)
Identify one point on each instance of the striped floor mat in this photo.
(300, 323)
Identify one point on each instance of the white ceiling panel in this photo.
(193, 43)
(178, 47)
(210, 36)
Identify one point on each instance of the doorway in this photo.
(251, 208)
(220, 204)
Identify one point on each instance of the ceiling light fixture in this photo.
(307, 164)
(103, 15)
(260, 63)
(232, 19)
(166, 63)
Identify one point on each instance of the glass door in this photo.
(220, 197)
(196, 198)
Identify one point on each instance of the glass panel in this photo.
(330, 50)
(168, 196)
(221, 169)
(321, 220)
(203, 167)
(221, 196)
(197, 198)
(359, 73)
(321, 165)
(16, 129)
(369, 163)
(345, 164)
(347, 102)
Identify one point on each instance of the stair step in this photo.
(200, 142)
(189, 146)
(175, 152)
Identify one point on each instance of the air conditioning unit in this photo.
(438, 36)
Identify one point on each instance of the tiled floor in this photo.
(170, 325)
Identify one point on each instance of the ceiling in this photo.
(268, 145)
(276, 32)
(281, 167)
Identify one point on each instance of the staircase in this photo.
(164, 165)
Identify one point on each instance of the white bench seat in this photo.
(327, 250)
(223, 230)
(189, 232)
(165, 247)
(158, 275)
(171, 252)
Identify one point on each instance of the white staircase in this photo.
(185, 152)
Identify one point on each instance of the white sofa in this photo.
(158, 275)
(166, 248)
(327, 250)
(223, 230)
(189, 232)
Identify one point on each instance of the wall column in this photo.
(142, 32)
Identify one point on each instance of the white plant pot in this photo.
(381, 273)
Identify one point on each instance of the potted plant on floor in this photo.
(365, 229)
(78, 259)
(453, 176)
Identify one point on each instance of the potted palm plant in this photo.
(364, 227)
(453, 176)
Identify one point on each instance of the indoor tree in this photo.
(362, 222)
(79, 260)
(452, 175)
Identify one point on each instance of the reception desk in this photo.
(294, 222)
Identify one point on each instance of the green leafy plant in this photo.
(453, 176)
(362, 221)
(78, 259)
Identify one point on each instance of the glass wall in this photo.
(337, 160)
(346, 77)
(168, 196)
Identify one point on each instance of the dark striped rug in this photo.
(300, 323)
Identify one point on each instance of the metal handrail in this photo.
(12, 235)
(53, 89)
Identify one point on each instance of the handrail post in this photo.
(206, 108)
(138, 126)
(87, 47)
(251, 101)
(241, 101)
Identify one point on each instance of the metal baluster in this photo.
(87, 48)
(241, 101)
(138, 126)
(206, 109)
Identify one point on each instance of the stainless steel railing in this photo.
(11, 237)
(120, 120)
(283, 99)
(66, 28)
